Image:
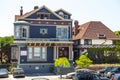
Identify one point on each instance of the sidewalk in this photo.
(53, 77)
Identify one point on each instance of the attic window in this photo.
(61, 14)
(66, 16)
(43, 15)
(101, 36)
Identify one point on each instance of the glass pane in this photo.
(30, 49)
(44, 52)
(43, 49)
(30, 56)
(58, 32)
(64, 32)
(37, 52)
(44, 56)
(30, 53)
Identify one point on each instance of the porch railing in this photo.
(43, 40)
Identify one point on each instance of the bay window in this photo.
(62, 32)
(37, 53)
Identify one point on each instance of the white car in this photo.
(70, 75)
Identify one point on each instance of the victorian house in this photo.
(40, 37)
(93, 34)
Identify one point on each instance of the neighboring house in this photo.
(41, 36)
(93, 34)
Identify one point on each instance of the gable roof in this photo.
(63, 11)
(92, 29)
(35, 10)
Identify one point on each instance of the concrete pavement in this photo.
(50, 77)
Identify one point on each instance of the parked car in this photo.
(18, 72)
(70, 75)
(113, 71)
(3, 72)
(102, 72)
(115, 77)
(104, 78)
(86, 76)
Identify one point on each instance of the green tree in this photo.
(5, 49)
(117, 33)
(61, 63)
(83, 61)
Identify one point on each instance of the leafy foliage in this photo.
(117, 33)
(83, 61)
(5, 48)
(62, 62)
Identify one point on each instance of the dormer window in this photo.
(43, 15)
(61, 14)
(66, 16)
(101, 36)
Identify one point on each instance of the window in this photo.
(14, 54)
(66, 16)
(37, 53)
(101, 36)
(17, 32)
(62, 33)
(43, 15)
(24, 32)
(43, 31)
(30, 53)
(63, 52)
(44, 53)
(88, 42)
(61, 14)
(21, 31)
(77, 42)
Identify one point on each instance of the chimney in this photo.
(21, 11)
(35, 7)
(76, 25)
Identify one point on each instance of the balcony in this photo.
(43, 40)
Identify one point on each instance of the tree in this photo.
(60, 63)
(5, 49)
(117, 33)
(83, 61)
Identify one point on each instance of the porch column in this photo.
(70, 53)
(55, 52)
(18, 57)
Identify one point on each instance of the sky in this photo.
(106, 11)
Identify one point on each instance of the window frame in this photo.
(14, 54)
(40, 52)
(43, 15)
(61, 34)
(87, 41)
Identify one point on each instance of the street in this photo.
(50, 77)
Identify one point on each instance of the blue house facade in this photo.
(40, 37)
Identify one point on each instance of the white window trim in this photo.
(40, 59)
(67, 27)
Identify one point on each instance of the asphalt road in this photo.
(50, 77)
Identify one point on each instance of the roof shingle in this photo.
(92, 29)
